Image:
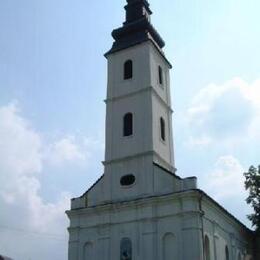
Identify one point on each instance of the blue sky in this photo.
(52, 87)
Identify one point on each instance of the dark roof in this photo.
(137, 28)
(5, 258)
(134, 33)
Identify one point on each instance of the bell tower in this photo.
(139, 208)
(138, 106)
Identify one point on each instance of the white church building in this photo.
(140, 209)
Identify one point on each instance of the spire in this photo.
(137, 27)
(137, 9)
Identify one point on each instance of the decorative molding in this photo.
(147, 153)
(137, 92)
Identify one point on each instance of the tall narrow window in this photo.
(162, 128)
(128, 69)
(128, 124)
(126, 249)
(160, 75)
(239, 257)
(227, 253)
(207, 248)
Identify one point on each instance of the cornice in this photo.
(143, 90)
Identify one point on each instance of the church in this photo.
(140, 208)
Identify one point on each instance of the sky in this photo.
(52, 115)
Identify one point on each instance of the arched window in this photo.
(125, 249)
(170, 247)
(128, 69)
(227, 253)
(128, 124)
(88, 251)
(207, 248)
(160, 75)
(162, 128)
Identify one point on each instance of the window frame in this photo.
(127, 132)
(227, 253)
(128, 70)
(124, 177)
(207, 250)
(162, 129)
(160, 76)
(129, 244)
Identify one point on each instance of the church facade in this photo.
(140, 209)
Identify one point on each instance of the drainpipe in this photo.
(202, 213)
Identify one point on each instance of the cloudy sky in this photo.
(52, 87)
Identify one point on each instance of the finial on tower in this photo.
(137, 28)
(137, 9)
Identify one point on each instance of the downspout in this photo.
(202, 213)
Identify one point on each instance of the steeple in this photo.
(138, 108)
(137, 27)
(137, 9)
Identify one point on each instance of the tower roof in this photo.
(137, 27)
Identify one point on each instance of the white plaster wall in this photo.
(119, 146)
(224, 231)
(141, 167)
(117, 86)
(163, 148)
(151, 180)
(156, 59)
(146, 222)
(138, 96)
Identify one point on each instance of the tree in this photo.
(252, 184)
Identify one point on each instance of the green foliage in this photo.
(252, 184)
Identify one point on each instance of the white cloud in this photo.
(30, 227)
(227, 113)
(225, 183)
(199, 141)
(65, 150)
(225, 119)
(16, 130)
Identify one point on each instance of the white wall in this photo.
(224, 231)
(150, 223)
(138, 96)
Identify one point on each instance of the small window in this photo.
(127, 180)
(160, 74)
(126, 249)
(128, 69)
(227, 253)
(207, 248)
(162, 128)
(128, 124)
